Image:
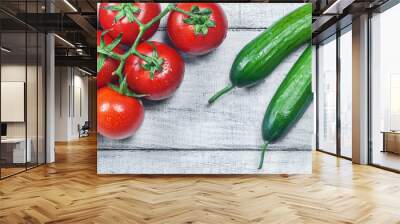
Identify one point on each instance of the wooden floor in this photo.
(69, 191)
(387, 159)
(5, 172)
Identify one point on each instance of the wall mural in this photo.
(204, 88)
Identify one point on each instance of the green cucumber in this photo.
(290, 101)
(263, 54)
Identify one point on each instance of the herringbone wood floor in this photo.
(69, 191)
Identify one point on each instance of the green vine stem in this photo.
(195, 15)
(185, 12)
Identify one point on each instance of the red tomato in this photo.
(165, 81)
(129, 30)
(183, 35)
(118, 116)
(104, 76)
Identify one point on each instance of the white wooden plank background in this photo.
(202, 162)
(184, 123)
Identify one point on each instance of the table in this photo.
(18, 149)
(391, 141)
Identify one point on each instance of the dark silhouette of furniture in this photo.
(391, 141)
(84, 129)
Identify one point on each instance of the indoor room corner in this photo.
(75, 113)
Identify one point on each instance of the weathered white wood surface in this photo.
(251, 15)
(201, 162)
(185, 121)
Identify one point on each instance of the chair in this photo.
(84, 130)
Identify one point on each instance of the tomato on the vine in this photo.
(118, 116)
(199, 33)
(118, 19)
(105, 74)
(159, 78)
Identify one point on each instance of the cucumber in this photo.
(263, 54)
(290, 101)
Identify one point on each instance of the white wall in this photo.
(16, 73)
(61, 103)
(80, 89)
(34, 125)
(70, 83)
(12, 73)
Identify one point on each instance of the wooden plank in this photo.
(185, 121)
(251, 15)
(201, 162)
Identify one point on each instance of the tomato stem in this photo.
(184, 12)
(263, 148)
(119, 70)
(141, 56)
(110, 53)
(169, 8)
(123, 87)
(199, 19)
(138, 21)
(135, 44)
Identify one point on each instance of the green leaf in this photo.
(204, 30)
(152, 73)
(160, 61)
(119, 16)
(133, 8)
(197, 29)
(210, 23)
(206, 11)
(100, 62)
(189, 21)
(146, 66)
(129, 15)
(125, 10)
(102, 51)
(203, 19)
(157, 67)
(195, 9)
(155, 53)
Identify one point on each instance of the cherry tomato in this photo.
(197, 36)
(129, 29)
(165, 81)
(118, 116)
(104, 76)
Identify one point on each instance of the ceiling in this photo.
(332, 15)
(72, 20)
(76, 22)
